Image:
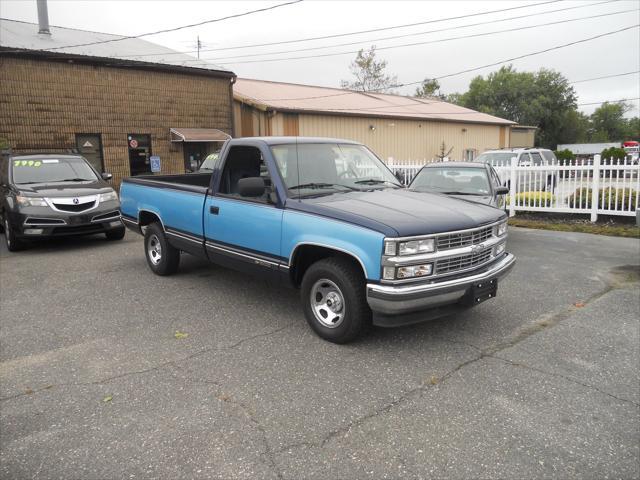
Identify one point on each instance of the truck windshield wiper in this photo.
(376, 181)
(462, 193)
(318, 185)
(72, 180)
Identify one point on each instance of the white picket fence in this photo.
(589, 187)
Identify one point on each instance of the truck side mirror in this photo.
(251, 187)
(502, 191)
(107, 176)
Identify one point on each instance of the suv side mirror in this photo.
(502, 190)
(251, 187)
(107, 176)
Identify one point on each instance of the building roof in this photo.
(324, 100)
(22, 37)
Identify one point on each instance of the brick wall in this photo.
(43, 104)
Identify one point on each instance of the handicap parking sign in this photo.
(155, 163)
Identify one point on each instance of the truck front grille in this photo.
(462, 262)
(464, 239)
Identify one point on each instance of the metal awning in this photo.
(198, 135)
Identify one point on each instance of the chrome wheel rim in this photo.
(327, 303)
(154, 249)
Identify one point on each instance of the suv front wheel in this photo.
(334, 301)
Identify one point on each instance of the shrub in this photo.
(534, 199)
(612, 154)
(564, 156)
(622, 199)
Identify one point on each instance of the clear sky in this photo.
(618, 53)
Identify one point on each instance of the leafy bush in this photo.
(622, 199)
(564, 156)
(613, 153)
(534, 199)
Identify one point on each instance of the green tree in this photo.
(574, 128)
(608, 123)
(632, 131)
(542, 99)
(369, 74)
(430, 87)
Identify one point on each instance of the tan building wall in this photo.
(43, 104)
(410, 141)
(522, 137)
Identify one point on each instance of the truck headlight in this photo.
(30, 201)
(416, 246)
(106, 197)
(415, 271)
(501, 229)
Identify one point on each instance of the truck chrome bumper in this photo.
(401, 299)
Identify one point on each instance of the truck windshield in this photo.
(313, 168)
(461, 181)
(497, 159)
(51, 170)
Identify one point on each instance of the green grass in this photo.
(613, 230)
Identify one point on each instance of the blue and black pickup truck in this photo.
(328, 217)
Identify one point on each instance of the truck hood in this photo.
(401, 212)
(64, 189)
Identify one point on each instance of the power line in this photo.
(475, 35)
(606, 76)
(530, 54)
(609, 101)
(167, 30)
(386, 28)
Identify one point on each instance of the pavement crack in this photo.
(150, 369)
(564, 377)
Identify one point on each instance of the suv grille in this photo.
(80, 207)
(462, 262)
(464, 239)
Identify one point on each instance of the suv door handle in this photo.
(214, 210)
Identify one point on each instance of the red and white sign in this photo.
(133, 143)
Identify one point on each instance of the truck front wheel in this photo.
(334, 300)
(163, 259)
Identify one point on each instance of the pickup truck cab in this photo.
(328, 217)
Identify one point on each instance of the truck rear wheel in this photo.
(334, 300)
(163, 259)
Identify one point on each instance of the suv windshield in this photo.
(51, 170)
(309, 167)
(496, 158)
(454, 180)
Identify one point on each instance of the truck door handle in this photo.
(214, 210)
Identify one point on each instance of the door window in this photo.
(244, 162)
(139, 153)
(89, 145)
(524, 159)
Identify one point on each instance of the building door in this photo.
(139, 153)
(89, 145)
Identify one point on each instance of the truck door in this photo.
(244, 232)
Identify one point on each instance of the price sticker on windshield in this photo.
(27, 163)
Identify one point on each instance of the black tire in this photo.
(13, 244)
(115, 234)
(354, 316)
(166, 258)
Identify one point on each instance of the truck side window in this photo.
(537, 159)
(244, 162)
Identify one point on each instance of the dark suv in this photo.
(55, 195)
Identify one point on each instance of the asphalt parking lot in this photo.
(541, 382)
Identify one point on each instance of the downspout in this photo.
(233, 121)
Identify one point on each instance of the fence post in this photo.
(595, 188)
(512, 187)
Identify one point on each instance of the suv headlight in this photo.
(501, 229)
(30, 201)
(106, 197)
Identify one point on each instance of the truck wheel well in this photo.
(147, 218)
(307, 255)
